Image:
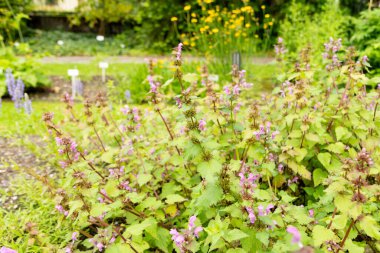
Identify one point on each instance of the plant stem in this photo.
(332, 218)
(346, 235)
(100, 140)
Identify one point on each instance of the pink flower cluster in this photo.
(331, 49)
(67, 147)
(247, 182)
(153, 85)
(202, 125)
(279, 49)
(69, 248)
(61, 210)
(182, 240)
(179, 52)
(265, 131)
(261, 211)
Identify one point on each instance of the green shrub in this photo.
(367, 36)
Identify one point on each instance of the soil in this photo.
(61, 85)
(16, 160)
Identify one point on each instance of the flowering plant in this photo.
(295, 170)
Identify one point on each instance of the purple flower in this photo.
(179, 51)
(192, 222)
(311, 213)
(100, 246)
(127, 95)
(7, 250)
(295, 233)
(125, 110)
(260, 210)
(202, 125)
(236, 90)
(227, 90)
(74, 236)
(268, 209)
(197, 230)
(251, 215)
(365, 59)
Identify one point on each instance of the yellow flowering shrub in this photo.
(215, 30)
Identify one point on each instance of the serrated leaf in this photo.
(342, 133)
(319, 176)
(337, 148)
(370, 227)
(321, 235)
(234, 235)
(137, 229)
(263, 237)
(174, 198)
(212, 195)
(142, 179)
(325, 159)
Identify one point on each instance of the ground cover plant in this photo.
(294, 170)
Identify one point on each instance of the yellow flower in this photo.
(186, 43)
(193, 15)
(187, 7)
(237, 34)
(271, 23)
(209, 1)
(174, 19)
(192, 44)
(267, 15)
(194, 20)
(248, 25)
(256, 36)
(265, 26)
(215, 30)
(263, 7)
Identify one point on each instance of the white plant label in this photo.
(73, 73)
(103, 66)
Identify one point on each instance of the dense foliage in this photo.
(367, 35)
(297, 169)
(25, 69)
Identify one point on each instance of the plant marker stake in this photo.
(236, 59)
(103, 66)
(73, 73)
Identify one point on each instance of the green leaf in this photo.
(370, 227)
(174, 198)
(340, 221)
(300, 169)
(211, 196)
(353, 247)
(337, 148)
(137, 229)
(321, 235)
(190, 77)
(325, 159)
(319, 176)
(234, 235)
(342, 133)
(143, 179)
(343, 202)
(119, 247)
(210, 170)
(263, 237)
